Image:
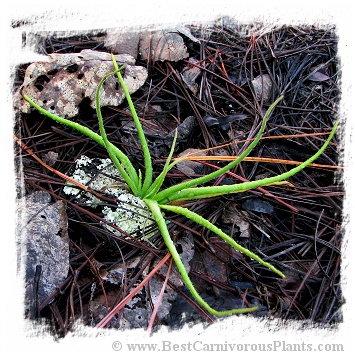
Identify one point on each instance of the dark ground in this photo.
(302, 238)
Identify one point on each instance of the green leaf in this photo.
(125, 162)
(146, 153)
(155, 187)
(207, 224)
(133, 180)
(207, 192)
(165, 195)
(157, 214)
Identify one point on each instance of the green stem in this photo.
(164, 196)
(204, 222)
(146, 153)
(157, 214)
(205, 192)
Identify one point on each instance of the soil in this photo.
(297, 227)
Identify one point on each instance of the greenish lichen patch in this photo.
(100, 175)
(131, 213)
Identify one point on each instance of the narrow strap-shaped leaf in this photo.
(92, 135)
(205, 192)
(204, 222)
(133, 181)
(157, 214)
(165, 194)
(148, 178)
(155, 187)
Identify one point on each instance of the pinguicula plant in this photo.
(159, 199)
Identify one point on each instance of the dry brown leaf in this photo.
(60, 84)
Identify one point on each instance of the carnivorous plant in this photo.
(158, 199)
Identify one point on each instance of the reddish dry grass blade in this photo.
(260, 159)
(160, 298)
(60, 174)
(106, 320)
(65, 177)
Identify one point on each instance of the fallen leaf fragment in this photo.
(60, 84)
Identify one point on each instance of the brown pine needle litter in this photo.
(300, 230)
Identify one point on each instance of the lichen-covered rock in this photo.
(60, 84)
(100, 175)
(131, 214)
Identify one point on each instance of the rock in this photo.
(131, 214)
(263, 86)
(154, 44)
(258, 205)
(44, 245)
